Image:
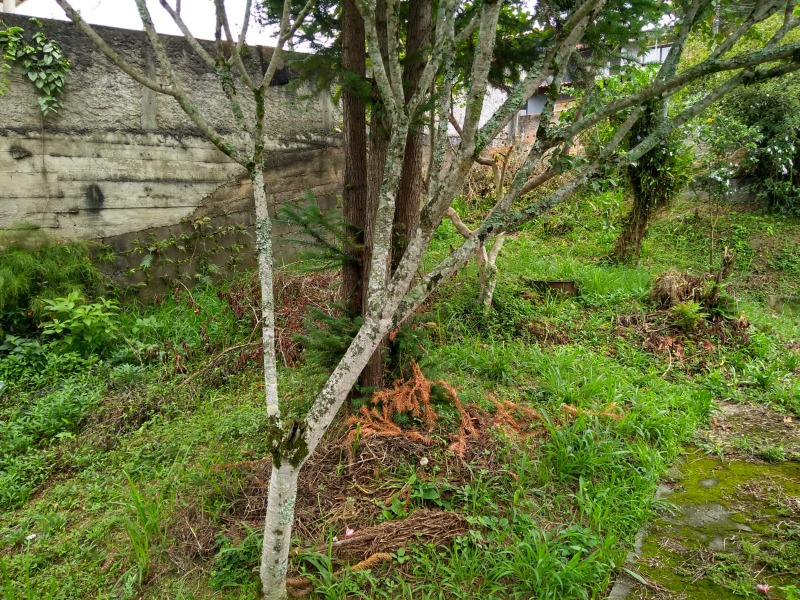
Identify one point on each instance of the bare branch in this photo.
(468, 30)
(177, 91)
(245, 25)
(670, 64)
(393, 58)
(490, 12)
(443, 44)
(236, 45)
(196, 46)
(481, 159)
(760, 12)
(301, 16)
(392, 104)
(460, 226)
(110, 53)
(286, 31)
(569, 36)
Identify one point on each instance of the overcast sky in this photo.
(198, 15)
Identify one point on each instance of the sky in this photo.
(197, 14)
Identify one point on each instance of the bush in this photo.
(758, 129)
(85, 327)
(34, 265)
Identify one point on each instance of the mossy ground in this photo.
(733, 520)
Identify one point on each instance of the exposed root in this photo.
(422, 526)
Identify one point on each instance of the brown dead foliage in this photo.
(194, 531)
(295, 295)
(547, 334)
(674, 287)
(413, 397)
(346, 482)
(515, 418)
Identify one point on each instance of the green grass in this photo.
(104, 460)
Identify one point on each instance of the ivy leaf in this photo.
(32, 75)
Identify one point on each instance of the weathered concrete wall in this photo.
(120, 160)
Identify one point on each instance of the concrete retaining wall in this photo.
(120, 162)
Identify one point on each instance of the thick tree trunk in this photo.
(278, 530)
(355, 192)
(412, 182)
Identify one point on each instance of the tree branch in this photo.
(490, 12)
(110, 53)
(393, 58)
(236, 45)
(177, 91)
(196, 46)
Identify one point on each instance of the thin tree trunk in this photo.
(265, 276)
(355, 192)
(372, 375)
(278, 530)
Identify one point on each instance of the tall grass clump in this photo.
(34, 265)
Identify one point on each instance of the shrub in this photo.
(34, 265)
(85, 327)
(764, 121)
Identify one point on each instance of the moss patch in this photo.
(734, 525)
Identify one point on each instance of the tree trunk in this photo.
(412, 183)
(629, 242)
(265, 277)
(372, 375)
(281, 501)
(355, 191)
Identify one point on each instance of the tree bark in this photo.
(355, 191)
(265, 277)
(278, 530)
(412, 182)
(629, 242)
(372, 375)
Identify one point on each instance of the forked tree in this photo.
(394, 292)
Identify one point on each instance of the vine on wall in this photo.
(42, 61)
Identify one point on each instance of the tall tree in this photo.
(412, 183)
(354, 144)
(392, 296)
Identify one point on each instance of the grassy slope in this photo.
(551, 515)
